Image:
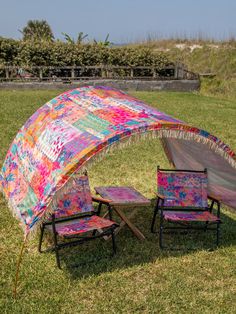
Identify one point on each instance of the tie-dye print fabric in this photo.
(71, 129)
(77, 200)
(122, 195)
(82, 225)
(183, 189)
(190, 216)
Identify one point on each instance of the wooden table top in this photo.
(122, 195)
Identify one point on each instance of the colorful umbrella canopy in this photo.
(79, 125)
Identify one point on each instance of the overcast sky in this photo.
(124, 20)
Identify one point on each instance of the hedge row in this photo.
(16, 52)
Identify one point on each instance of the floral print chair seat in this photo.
(74, 217)
(182, 198)
(82, 225)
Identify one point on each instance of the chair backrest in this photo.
(183, 188)
(77, 200)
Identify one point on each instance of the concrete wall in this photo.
(139, 85)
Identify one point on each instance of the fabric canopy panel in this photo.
(78, 125)
(186, 154)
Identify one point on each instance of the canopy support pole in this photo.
(18, 267)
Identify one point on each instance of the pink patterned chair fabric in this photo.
(82, 225)
(74, 215)
(77, 200)
(183, 189)
(182, 199)
(190, 216)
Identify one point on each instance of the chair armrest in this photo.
(102, 200)
(160, 196)
(213, 201)
(213, 198)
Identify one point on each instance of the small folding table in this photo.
(121, 198)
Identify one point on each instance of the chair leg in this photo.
(161, 231)
(217, 234)
(99, 208)
(154, 216)
(113, 242)
(153, 220)
(56, 248)
(110, 212)
(41, 238)
(94, 232)
(57, 252)
(56, 245)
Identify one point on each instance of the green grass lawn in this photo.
(141, 278)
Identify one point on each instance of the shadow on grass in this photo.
(94, 258)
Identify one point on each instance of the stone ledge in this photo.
(138, 85)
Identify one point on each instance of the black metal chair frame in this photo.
(109, 231)
(184, 225)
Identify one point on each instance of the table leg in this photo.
(132, 227)
(123, 223)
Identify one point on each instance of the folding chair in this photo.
(75, 218)
(183, 202)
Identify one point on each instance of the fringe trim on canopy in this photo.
(12, 209)
(122, 143)
(163, 133)
(28, 233)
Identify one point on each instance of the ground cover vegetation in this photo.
(214, 60)
(141, 278)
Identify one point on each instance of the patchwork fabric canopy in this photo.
(74, 128)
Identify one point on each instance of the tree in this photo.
(37, 30)
(105, 43)
(80, 38)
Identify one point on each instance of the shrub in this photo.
(26, 53)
